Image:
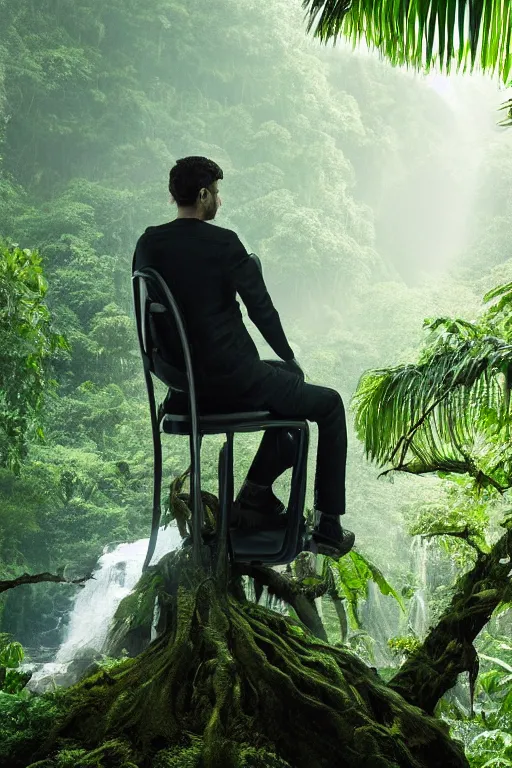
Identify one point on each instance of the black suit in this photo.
(204, 267)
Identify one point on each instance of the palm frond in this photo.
(501, 290)
(428, 417)
(405, 31)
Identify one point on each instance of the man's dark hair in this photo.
(189, 176)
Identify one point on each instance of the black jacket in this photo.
(205, 266)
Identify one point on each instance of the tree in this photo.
(450, 414)
(27, 345)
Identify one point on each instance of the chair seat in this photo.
(263, 546)
(267, 544)
(180, 424)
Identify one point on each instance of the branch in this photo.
(423, 469)
(465, 535)
(289, 591)
(407, 439)
(448, 648)
(27, 578)
(339, 607)
(459, 468)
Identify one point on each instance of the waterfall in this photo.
(376, 621)
(116, 574)
(418, 609)
(381, 616)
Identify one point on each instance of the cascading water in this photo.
(115, 576)
(418, 610)
(382, 618)
(378, 622)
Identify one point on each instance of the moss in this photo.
(234, 685)
(131, 625)
(137, 607)
(69, 758)
(111, 754)
(260, 758)
(191, 757)
(179, 757)
(42, 764)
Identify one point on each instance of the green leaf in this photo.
(11, 655)
(497, 661)
(405, 32)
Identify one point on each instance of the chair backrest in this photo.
(166, 353)
(161, 330)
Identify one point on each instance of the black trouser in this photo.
(285, 393)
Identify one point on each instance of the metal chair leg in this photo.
(225, 503)
(157, 487)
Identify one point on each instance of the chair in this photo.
(166, 354)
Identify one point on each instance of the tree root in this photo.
(242, 686)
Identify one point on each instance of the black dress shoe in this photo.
(265, 518)
(329, 538)
(256, 506)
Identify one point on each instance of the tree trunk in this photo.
(231, 684)
(448, 648)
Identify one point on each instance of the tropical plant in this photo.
(449, 412)
(423, 33)
(12, 680)
(27, 345)
(487, 732)
(419, 34)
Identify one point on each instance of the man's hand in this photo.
(294, 367)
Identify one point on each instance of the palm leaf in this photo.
(427, 417)
(505, 59)
(500, 290)
(476, 8)
(441, 11)
(405, 30)
(432, 25)
(450, 23)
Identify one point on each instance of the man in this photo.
(205, 266)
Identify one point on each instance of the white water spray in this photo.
(114, 577)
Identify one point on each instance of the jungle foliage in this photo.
(96, 103)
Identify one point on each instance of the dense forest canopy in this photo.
(376, 198)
